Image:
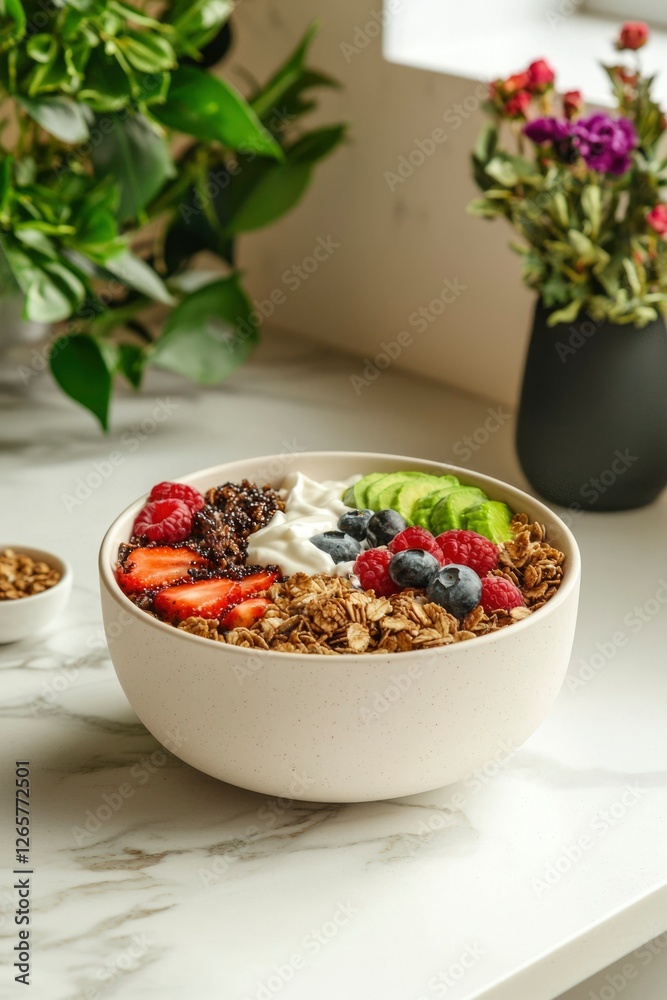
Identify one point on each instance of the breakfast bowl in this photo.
(354, 727)
(28, 616)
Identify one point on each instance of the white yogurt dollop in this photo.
(310, 509)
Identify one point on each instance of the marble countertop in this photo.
(554, 866)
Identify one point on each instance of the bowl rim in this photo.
(570, 580)
(43, 555)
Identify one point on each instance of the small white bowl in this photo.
(27, 616)
(343, 728)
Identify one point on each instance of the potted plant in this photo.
(125, 157)
(582, 190)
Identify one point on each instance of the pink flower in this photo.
(540, 76)
(633, 35)
(573, 104)
(518, 104)
(657, 218)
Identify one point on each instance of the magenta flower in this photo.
(605, 143)
(542, 130)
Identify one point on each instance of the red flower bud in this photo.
(657, 218)
(540, 76)
(573, 104)
(518, 104)
(515, 82)
(632, 36)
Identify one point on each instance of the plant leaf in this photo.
(130, 362)
(45, 300)
(279, 190)
(79, 367)
(149, 53)
(198, 21)
(136, 157)
(502, 171)
(483, 208)
(105, 86)
(12, 22)
(487, 140)
(209, 334)
(567, 314)
(591, 202)
(60, 116)
(137, 274)
(282, 81)
(210, 109)
(316, 144)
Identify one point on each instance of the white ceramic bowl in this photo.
(28, 616)
(353, 727)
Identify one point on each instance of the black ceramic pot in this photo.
(592, 429)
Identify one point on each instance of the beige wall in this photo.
(398, 247)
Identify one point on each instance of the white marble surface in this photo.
(193, 888)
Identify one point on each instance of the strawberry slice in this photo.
(203, 599)
(210, 598)
(151, 568)
(257, 583)
(245, 615)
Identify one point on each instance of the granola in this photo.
(323, 614)
(21, 576)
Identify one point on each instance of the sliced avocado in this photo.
(361, 488)
(421, 512)
(410, 492)
(490, 518)
(376, 488)
(447, 513)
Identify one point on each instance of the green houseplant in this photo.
(584, 193)
(124, 156)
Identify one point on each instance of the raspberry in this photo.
(372, 568)
(164, 521)
(467, 548)
(178, 491)
(500, 594)
(416, 538)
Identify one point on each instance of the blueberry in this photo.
(341, 547)
(413, 568)
(457, 588)
(383, 526)
(355, 523)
